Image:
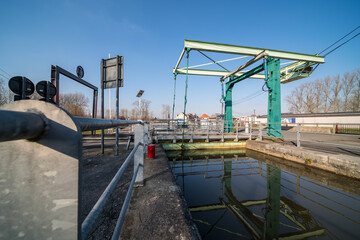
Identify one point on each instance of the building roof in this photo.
(204, 116)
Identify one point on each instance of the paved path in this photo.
(331, 143)
(328, 143)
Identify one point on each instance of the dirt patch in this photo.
(97, 172)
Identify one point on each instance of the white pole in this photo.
(139, 108)
(110, 102)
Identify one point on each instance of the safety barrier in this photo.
(196, 130)
(40, 168)
(240, 129)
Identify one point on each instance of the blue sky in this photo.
(150, 34)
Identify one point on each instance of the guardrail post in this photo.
(208, 129)
(128, 143)
(222, 131)
(250, 130)
(117, 141)
(139, 154)
(149, 133)
(237, 131)
(146, 137)
(298, 135)
(246, 127)
(260, 132)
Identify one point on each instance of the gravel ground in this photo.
(97, 171)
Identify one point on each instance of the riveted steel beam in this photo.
(248, 63)
(202, 72)
(236, 49)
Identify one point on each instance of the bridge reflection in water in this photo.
(233, 196)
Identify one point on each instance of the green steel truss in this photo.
(272, 74)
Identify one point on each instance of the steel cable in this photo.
(338, 41)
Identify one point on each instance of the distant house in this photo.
(180, 117)
(192, 117)
(204, 116)
(217, 117)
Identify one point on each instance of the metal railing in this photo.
(89, 221)
(199, 129)
(40, 126)
(141, 141)
(205, 129)
(346, 128)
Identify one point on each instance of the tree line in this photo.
(330, 94)
(136, 113)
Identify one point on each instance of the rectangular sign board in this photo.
(112, 71)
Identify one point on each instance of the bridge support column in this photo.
(228, 108)
(274, 98)
(272, 215)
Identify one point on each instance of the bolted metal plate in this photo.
(39, 180)
(113, 71)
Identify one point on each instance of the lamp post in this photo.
(140, 93)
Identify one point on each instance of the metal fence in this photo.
(49, 142)
(196, 129)
(221, 130)
(347, 128)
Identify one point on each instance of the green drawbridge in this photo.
(301, 66)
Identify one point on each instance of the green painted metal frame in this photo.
(289, 73)
(213, 73)
(250, 51)
(273, 75)
(274, 98)
(228, 94)
(272, 214)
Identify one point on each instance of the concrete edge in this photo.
(202, 146)
(192, 226)
(337, 163)
(158, 210)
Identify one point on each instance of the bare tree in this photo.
(319, 96)
(295, 100)
(326, 93)
(144, 112)
(133, 115)
(335, 93)
(309, 97)
(145, 109)
(75, 103)
(347, 82)
(355, 94)
(166, 111)
(329, 94)
(6, 96)
(124, 113)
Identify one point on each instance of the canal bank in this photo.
(337, 163)
(157, 210)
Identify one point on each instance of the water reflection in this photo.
(234, 196)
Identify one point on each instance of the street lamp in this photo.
(140, 93)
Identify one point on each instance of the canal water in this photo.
(240, 194)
